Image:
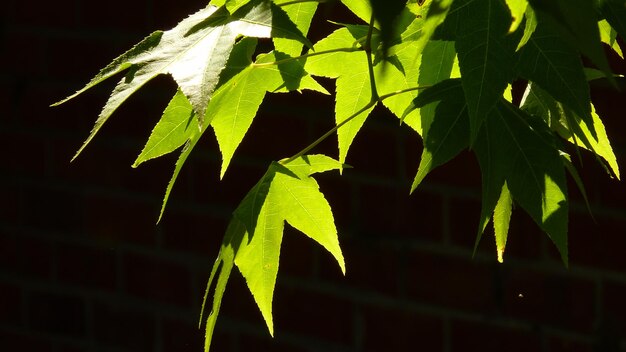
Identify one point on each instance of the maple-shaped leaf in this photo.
(447, 134)
(555, 66)
(570, 126)
(614, 11)
(194, 52)
(486, 55)
(301, 14)
(576, 23)
(354, 96)
(286, 192)
(518, 151)
(242, 88)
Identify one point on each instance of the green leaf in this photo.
(501, 220)
(448, 134)
(557, 68)
(362, 9)
(436, 12)
(518, 149)
(567, 162)
(517, 8)
(577, 24)
(172, 131)
(386, 13)
(614, 11)
(435, 65)
(570, 126)
(301, 15)
(224, 262)
(285, 193)
(530, 24)
(609, 36)
(353, 91)
(194, 53)
(236, 104)
(485, 55)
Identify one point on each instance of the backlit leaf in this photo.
(194, 53)
(172, 131)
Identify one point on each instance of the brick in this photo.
(367, 268)
(462, 171)
(464, 215)
(87, 266)
(9, 208)
(381, 160)
(11, 341)
(184, 336)
(57, 314)
(165, 14)
(392, 212)
(31, 158)
(53, 210)
(266, 343)
(69, 348)
(408, 332)
(157, 279)
(123, 327)
(597, 243)
(557, 344)
(135, 17)
(36, 257)
(25, 256)
(467, 336)
(273, 137)
(297, 255)
(307, 313)
(549, 299)
(31, 54)
(10, 304)
(341, 194)
(199, 233)
(46, 15)
(614, 305)
(460, 283)
(9, 252)
(120, 220)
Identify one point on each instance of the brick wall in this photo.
(83, 267)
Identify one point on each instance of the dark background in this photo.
(83, 267)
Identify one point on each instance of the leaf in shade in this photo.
(555, 66)
(519, 150)
(575, 23)
(486, 55)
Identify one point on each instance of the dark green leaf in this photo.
(518, 149)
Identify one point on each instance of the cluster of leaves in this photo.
(443, 67)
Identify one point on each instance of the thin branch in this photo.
(300, 1)
(370, 63)
(327, 134)
(348, 119)
(317, 53)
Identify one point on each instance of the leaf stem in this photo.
(317, 53)
(348, 119)
(300, 1)
(370, 63)
(402, 91)
(327, 134)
